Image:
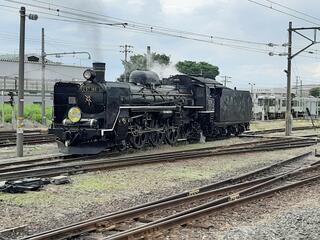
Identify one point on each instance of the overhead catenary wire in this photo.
(293, 10)
(177, 36)
(311, 51)
(54, 43)
(142, 28)
(134, 27)
(83, 21)
(151, 27)
(283, 12)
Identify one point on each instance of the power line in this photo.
(130, 24)
(6, 6)
(176, 36)
(51, 41)
(141, 29)
(294, 10)
(283, 12)
(138, 24)
(312, 51)
(84, 21)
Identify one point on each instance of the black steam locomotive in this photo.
(96, 114)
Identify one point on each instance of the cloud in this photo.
(311, 70)
(227, 18)
(136, 2)
(172, 7)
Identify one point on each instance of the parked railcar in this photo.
(274, 107)
(98, 114)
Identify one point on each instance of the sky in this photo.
(236, 19)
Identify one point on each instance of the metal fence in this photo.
(8, 84)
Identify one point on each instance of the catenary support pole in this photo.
(20, 116)
(43, 82)
(2, 108)
(301, 95)
(288, 108)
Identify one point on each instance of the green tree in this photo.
(198, 68)
(315, 92)
(139, 62)
(162, 59)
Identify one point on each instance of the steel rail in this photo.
(107, 163)
(69, 158)
(228, 184)
(217, 204)
(26, 131)
(9, 161)
(81, 228)
(33, 138)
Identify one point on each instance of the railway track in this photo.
(46, 167)
(8, 138)
(154, 219)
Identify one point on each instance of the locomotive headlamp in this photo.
(89, 74)
(74, 114)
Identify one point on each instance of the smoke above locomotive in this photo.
(97, 114)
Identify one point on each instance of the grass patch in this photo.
(187, 173)
(200, 172)
(31, 112)
(264, 125)
(30, 199)
(98, 182)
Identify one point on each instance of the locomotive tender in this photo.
(96, 114)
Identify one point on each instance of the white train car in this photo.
(258, 108)
(274, 107)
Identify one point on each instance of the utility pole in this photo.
(288, 71)
(225, 80)
(301, 94)
(253, 99)
(126, 50)
(2, 108)
(43, 82)
(288, 108)
(20, 117)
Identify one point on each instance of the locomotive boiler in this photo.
(97, 114)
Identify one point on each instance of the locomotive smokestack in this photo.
(100, 69)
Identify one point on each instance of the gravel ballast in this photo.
(290, 215)
(96, 193)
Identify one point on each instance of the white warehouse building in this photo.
(54, 72)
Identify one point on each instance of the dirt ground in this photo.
(96, 193)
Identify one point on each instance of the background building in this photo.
(54, 72)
